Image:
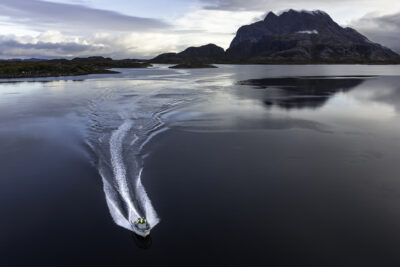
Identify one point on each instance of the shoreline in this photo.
(5, 78)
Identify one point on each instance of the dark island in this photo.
(206, 54)
(63, 67)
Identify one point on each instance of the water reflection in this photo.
(385, 90)
(302, 92)
(142, 242)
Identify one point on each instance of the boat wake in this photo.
(121, 170)
(120, 129)
(126, 197)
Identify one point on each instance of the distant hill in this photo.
(206, 54)
(291, 37)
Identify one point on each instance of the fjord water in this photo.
(240, 165)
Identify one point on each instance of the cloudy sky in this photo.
(143, 29)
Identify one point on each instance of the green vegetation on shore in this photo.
(64, 67)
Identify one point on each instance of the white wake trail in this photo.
(118, 165)
(127, 190)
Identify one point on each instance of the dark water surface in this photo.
(236, 166)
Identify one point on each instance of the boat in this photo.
(142, 227)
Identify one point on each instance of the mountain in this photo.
(291, 37)
(303, 36)
(206, 54)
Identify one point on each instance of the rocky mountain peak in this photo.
(270, 16)
(303, 36)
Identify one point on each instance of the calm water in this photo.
(241, 165)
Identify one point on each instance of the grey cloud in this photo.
(382, 29)
(235, 4)
(41, 13)
(264, 5)
(251, 5)
(65, 47)
(13, 48)
(111, 46)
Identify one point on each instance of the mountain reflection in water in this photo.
(303, 92)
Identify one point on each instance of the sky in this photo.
(144, 29)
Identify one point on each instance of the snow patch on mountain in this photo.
(308, 32)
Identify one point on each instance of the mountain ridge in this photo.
(290, 37)
(206, 54)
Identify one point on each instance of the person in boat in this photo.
(141, 221)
